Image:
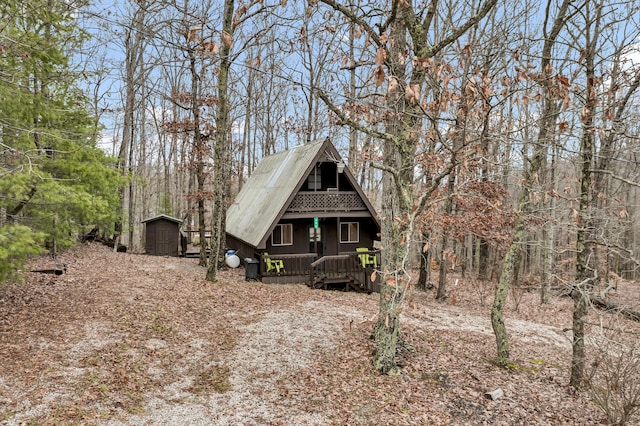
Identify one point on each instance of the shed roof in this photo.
(162, 216)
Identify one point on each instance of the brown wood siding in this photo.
(243, 250)
(330, 237)
(300, 238)
(336, 199)
(150, 238)
(368, 231)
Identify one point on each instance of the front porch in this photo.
(348, 270)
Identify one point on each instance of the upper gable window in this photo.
(314, 181)
(282, 235)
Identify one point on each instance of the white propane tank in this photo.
(231, 259)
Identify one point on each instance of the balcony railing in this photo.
(326, 201)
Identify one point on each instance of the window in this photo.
(314, 181)
(282, 235)
(349, 232)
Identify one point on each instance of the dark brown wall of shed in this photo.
(162, 238)
(169, 238)
(175, 239)
(150, 238)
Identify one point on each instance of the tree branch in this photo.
(457, 33)
(346, 120)
(355, 19)
(14, 212)
(392, 16)
(617, 177)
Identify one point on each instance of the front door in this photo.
(316, 244)
(164, 242)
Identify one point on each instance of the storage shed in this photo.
(162, 235)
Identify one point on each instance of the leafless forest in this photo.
(497, 140)
(533, 98)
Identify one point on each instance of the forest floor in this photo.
(125, 339)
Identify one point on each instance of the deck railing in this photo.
(195, 236)
(344, 268)
(335, 269)
(294, 264)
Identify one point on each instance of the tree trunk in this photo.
(133, 61)
(509, 266)
(403, 126)
(353, 133)
(218, 236)
(484, 268)
(549, 236)
(199, 148)
(245, 151)
(387, 329)
(512, 258)
(441, 293)
(425, 270)
(585, 268)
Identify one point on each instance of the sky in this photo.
(104, 20)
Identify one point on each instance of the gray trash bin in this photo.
(251, 269)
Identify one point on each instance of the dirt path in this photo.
(281, 342)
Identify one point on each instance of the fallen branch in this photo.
(58, 269)
(610, 306)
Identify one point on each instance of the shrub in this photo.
(613, 380)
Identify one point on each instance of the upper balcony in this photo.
(326, 202)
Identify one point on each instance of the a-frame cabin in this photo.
(304, 217)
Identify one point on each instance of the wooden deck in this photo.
(190, 246)
(194, 251)
(343, 271)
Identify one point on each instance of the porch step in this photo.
(196, 253)
(348, 280)
(337, 280)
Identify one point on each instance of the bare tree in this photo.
(403, 34)
(597, 27)
(530, 171)
(221, 148)
(134, 44)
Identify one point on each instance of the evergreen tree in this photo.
(54, 179)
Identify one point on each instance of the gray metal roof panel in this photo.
(263, 196)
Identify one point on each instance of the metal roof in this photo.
(162, 216)
(264, 196)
